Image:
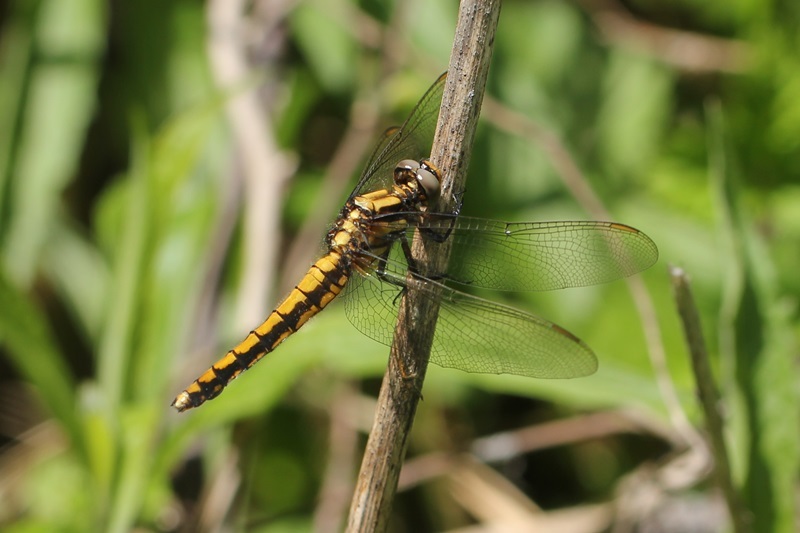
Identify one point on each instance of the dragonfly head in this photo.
(426, 175)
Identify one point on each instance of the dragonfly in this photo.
(367, 263)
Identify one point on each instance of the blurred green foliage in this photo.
(123, 254)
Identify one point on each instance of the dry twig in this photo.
(709, 397)
(397, 402)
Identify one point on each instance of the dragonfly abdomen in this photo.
(321, 284)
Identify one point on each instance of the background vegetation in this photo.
(167, 171)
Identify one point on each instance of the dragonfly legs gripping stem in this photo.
(441, 236)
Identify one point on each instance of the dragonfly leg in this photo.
(441, 236)
(412, 265)
(380, 271)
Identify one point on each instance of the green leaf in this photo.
(758, 353)
(59, 104)
(327, 45)
(25, 333)
(636, 104)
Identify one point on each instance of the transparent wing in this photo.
(536, 256)
(412, 140)
(472, 334)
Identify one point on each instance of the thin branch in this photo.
(498, 505)
(265, 168)
(507, 445)
(683, 50)
(397, 402)
(573, 178)
(709, 397)
(510, 121)
(343, 448)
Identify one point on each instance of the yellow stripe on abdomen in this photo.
(321, 284)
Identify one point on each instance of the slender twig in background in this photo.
(499, 505)
(397, 401)
(368, 31)
(508, 445)
(264, 167)
(709, 396)
(684, 50)
(219, 495)
(343, 444)
(572, 177)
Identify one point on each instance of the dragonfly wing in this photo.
(539, 256)
(371, 305)
(477, 335)
(411, 140)
(472, 334)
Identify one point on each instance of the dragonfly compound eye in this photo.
(406, 165)
(429, 177)
(406, 171)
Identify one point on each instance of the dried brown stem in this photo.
(397, 402)
(709, 397)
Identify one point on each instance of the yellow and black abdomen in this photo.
(321, 284)
(355, 242)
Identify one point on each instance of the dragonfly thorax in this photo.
(372, 220)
